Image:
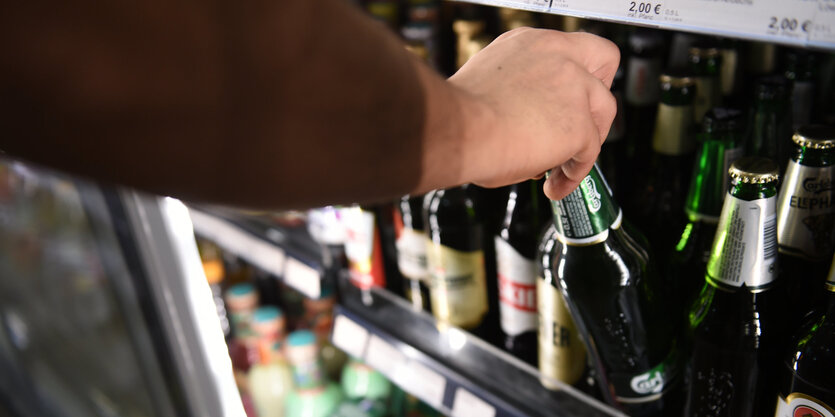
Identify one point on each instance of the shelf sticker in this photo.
(253, 249)
(303, 278)
(349, 336)
(385, 358)
(425, 384)
(467, 405)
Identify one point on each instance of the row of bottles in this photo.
(658, 337)
(690, 310)
(279, 344)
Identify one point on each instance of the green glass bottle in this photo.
(806, 217)
(516, 243)
(801, 68)
(807, 380)
(770, 120)
(737, 323)
(720, 141)
(313, 395)
(617, 300)
(611, 160)
(656, 208)
(706, 66)
(455, 258)
(644, 61)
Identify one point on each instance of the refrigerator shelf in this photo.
(799, 23)
(448, 368)
(287, 253)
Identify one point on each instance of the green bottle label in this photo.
(585, 216)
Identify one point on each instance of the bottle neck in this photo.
(673, 125)
(745, 247)
(585, 216)
(708, 185)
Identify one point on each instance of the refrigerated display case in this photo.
(104, 308)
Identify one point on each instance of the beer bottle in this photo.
(643, 67)
(363, 248)
(411, 251)
(730, 71)
(721, 141)
(806, 217)
(455, 258)
(737, 322)
(617, 300)
(516, 242)
(562, 355)
(657, 207)
(706, 65)
(611, 160)
(770, 125)
(313, 395)
(801, 71)
(807, 380)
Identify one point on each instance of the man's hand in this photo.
(541, 101)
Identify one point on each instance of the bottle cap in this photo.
(754, 170)
(704, 51)
(645, 41)
(677, 79)
(266, 314)
(772, 87)
(815, 137)
(468, 27)
(301, 338)
(722, 119)
(241, 296)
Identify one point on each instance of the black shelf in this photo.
(467, 376)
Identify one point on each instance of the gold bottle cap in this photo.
(815, 137)
(754, 170)
(704, 52)
(677, 81)
(468, 27)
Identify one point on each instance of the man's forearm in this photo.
(274, 104)
(291, 103)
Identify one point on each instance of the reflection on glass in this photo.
(67, 344)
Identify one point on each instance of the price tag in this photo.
(425, 384)
(266, 256)
(303, 278)
(349, 336)
(262, 254)
(385, 358)
(468, 405)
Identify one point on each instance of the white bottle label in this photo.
(745, 246)
(457, 286)
(411, 254)
(642, 86)
(359, 245)
(802, 405)
(517, 289)
(806, 217)
(562, 355)
(803, 96)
